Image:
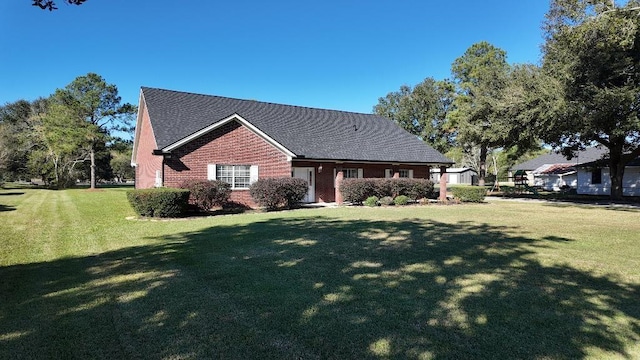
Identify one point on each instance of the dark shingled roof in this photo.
(604, 163)
(307, 132)
(587, 155)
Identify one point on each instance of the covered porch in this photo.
(324, 177)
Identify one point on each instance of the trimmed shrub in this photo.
(371, 201)
(383, 187)
(358, 190)
(274, 193)
(469, 193)
(386, 200)
(401, 200)
(419, 188)
(159, 202)
(206, 194)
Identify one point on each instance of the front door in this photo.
(306, 174)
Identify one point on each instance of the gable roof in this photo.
(306, 132)
(587, 155)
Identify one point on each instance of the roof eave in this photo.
(136, 137)
(413, 163)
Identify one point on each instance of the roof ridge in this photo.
(260, 101)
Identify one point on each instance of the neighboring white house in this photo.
(462, 176)
(555, 177)
(593, 179)
(530, 167)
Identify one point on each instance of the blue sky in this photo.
(329, 54)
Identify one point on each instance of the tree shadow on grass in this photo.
(319, 288)
(11, 193)
(6, 208)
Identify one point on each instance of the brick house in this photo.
(183, 136)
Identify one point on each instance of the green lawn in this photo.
(501, 280)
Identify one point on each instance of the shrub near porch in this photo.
(358, 190)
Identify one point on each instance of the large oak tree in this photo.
(592, 52)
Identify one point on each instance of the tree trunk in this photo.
(92, 153)
(483, 165)
(616, 173)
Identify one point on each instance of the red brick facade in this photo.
(147, 164)
(230, 144)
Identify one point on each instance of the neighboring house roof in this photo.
(603, 163)
(555, 169)
(306, 132)
(453, 170)
(587, 155)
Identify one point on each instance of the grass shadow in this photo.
(319, 288)
(6, 208)
(11, 193)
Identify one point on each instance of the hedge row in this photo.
(274, 193)
(469, 193)
(159, 202)
(205, 194)
(358, 190)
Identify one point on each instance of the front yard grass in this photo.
(499, 280)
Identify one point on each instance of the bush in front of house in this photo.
(401, 200)
(159, 202)
(371, 201)
(414, 189)
(383, 187)
(274, 193)
(386, 200)
(469, 193)
(358, 190)
(205, 194)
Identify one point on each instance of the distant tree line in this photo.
(79, 133)
(585, 92)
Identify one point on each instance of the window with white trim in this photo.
(350, 173)
(239, 176)
(405, 173)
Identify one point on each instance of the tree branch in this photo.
(51, 5)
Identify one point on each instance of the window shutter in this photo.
(158, 178)
(388, 173)
(211, 172)
(253, 174)
(410, 174)
(360, 173)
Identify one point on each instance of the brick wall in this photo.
(230, 144)
(147, 163)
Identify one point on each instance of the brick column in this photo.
(443, 183)
(338, 180)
